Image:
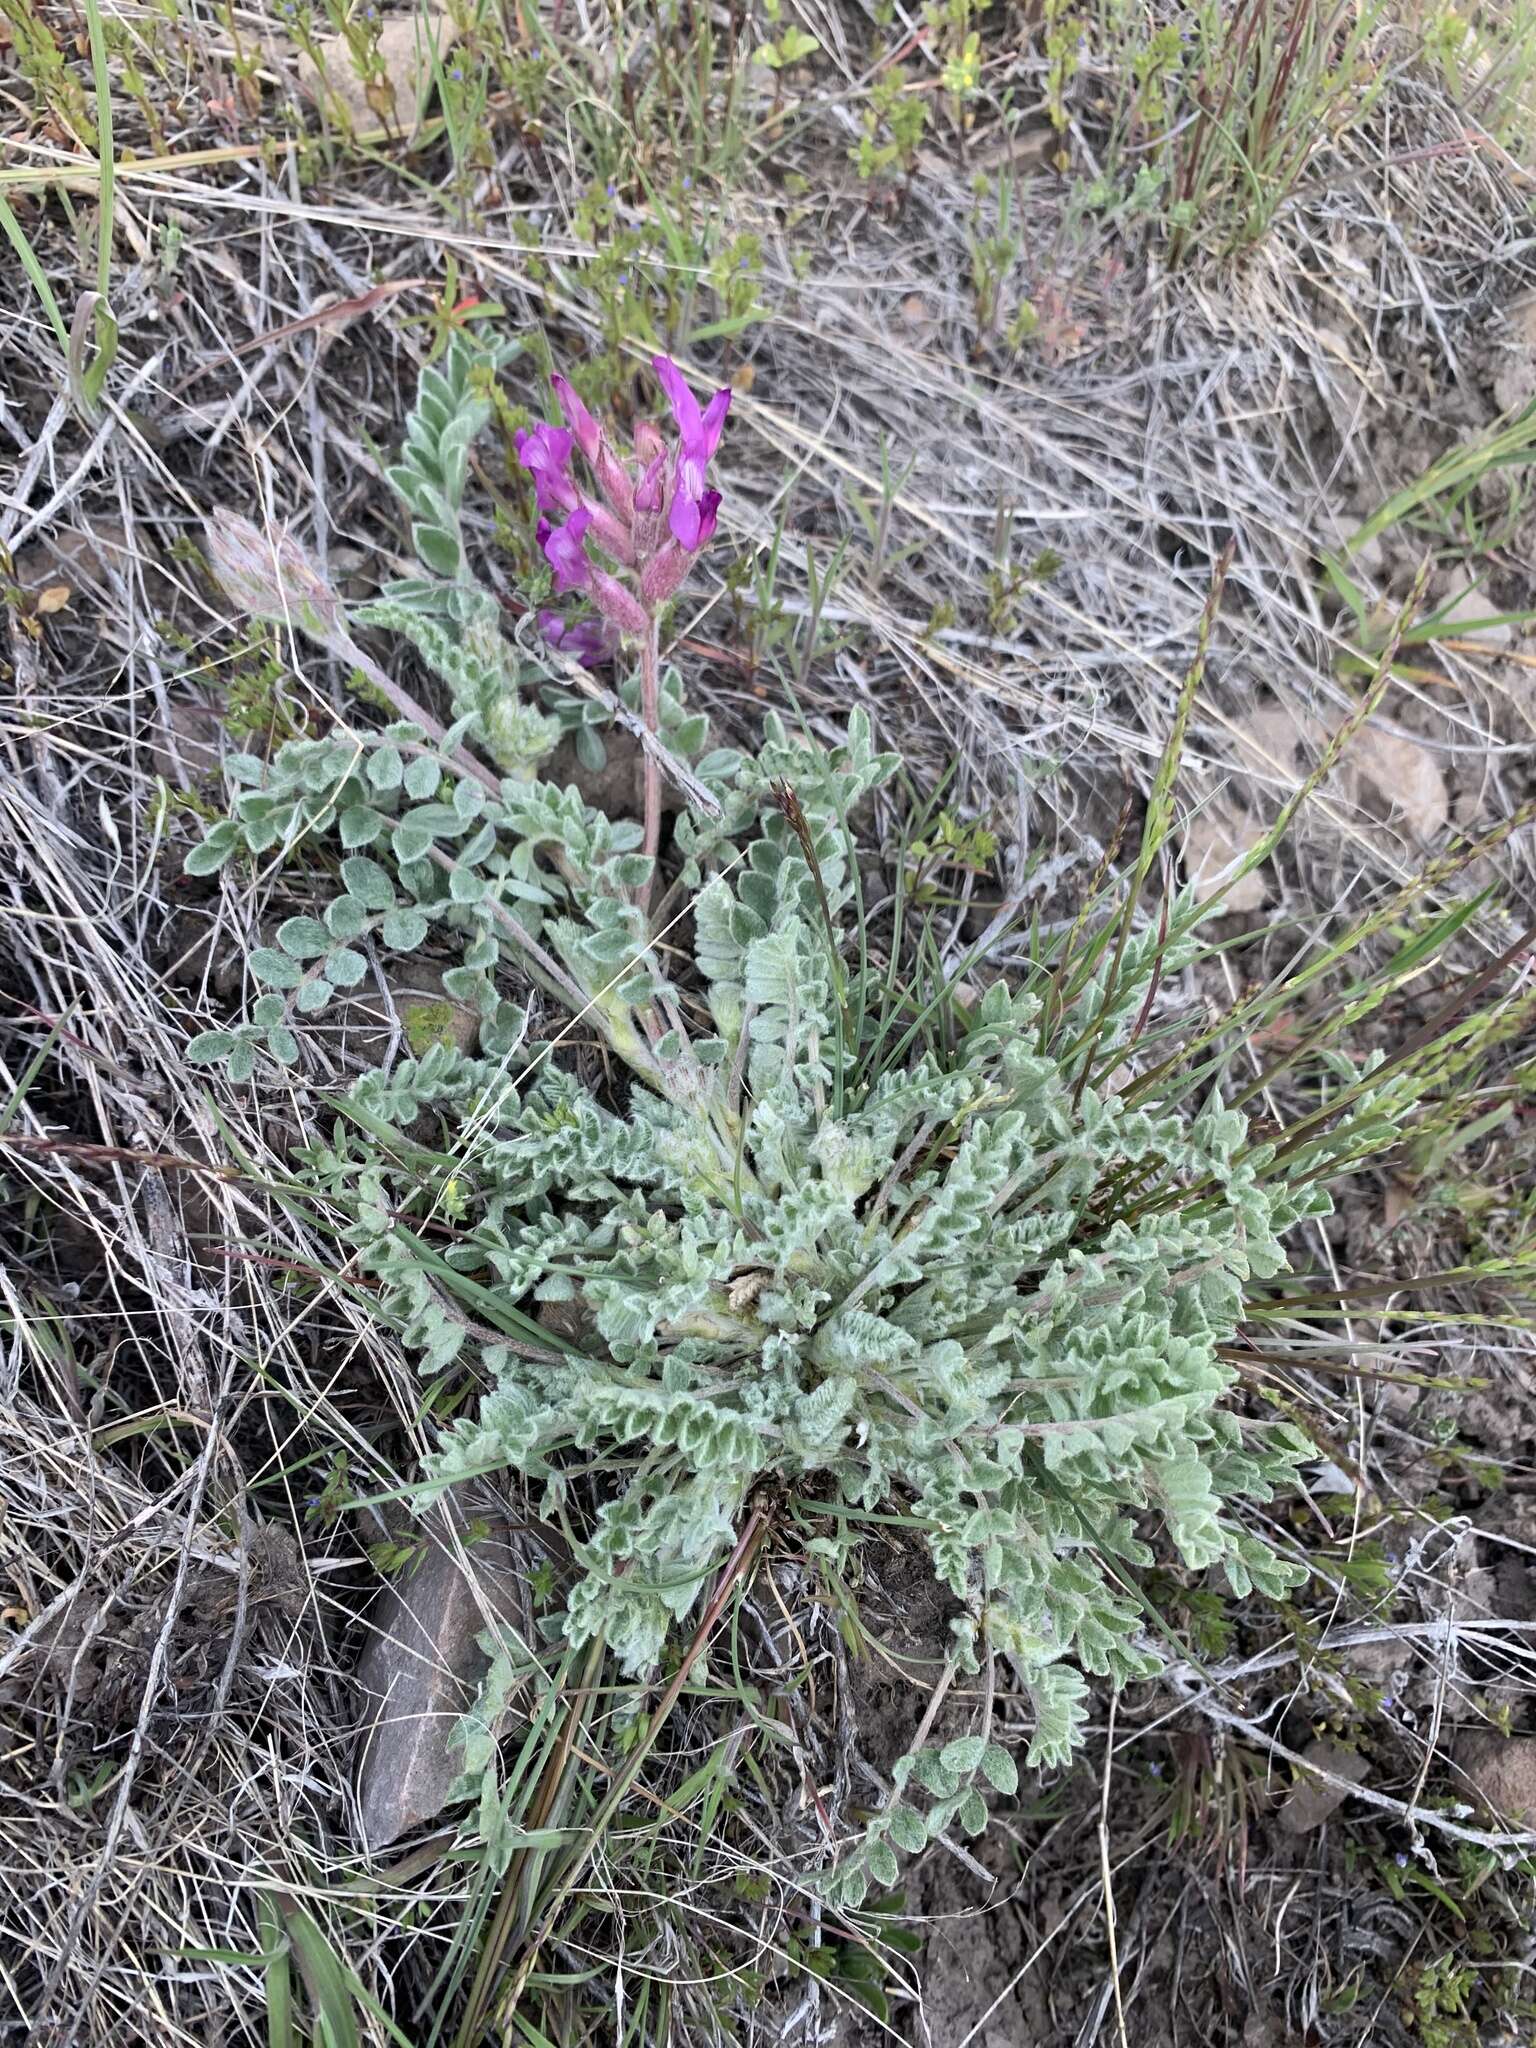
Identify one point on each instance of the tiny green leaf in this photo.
(963, 1754)
(282, 1045)
(360, 825)
(385, 767)
(403, 930)
(314, 995)
(346, 918)
(303, 937)
(439, 550)
(209, 1046)
(210, 854)
(410, 842)
(276, 969)
(999, 1768)
(345, 967)
(368, 882)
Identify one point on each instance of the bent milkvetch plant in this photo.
(795, 1258)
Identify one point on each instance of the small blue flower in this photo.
(1156, 1769)
(612, 188)
(457, 74)
(1402, 1860)
(687, 184)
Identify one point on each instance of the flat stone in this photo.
(1502, 1772)
(1461, 607)
(403, 80)
(1514, 382)
(420, 1670)
(1211, 842)
(1311, 1800)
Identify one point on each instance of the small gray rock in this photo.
(1311, 1800)
(420, 1669)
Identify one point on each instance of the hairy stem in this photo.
(650, 712)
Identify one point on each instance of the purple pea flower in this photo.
(592, 642)
(545, 452)
(698, 436)
(564, 552)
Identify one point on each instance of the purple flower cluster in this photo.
(649, 516)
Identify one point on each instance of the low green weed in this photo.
(1215, 116)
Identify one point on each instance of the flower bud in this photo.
(613, 480)
(618, 604)
(662, 574)
(611, 533)
(648, 492)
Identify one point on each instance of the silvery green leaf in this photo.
(209, 1046)
(346, 918)
(345, 967)
(282, 1045)
(441, 820)
(303, 937)
(439, 550)
(436, 400)
(210, 854)
(368, 882)
(907, 1830)
(478, 847)
(385, 767)
(410, 842)
(883, 1867)
(422, 776)
(465, 887)
(999, 1769)
(268, 1010)
(276, 969)
(932, 1775)
(403, 930)
(242, 1061)
(360, 825)
(314, 995)
(964, 1754)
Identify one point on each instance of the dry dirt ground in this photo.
(178, 1388)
